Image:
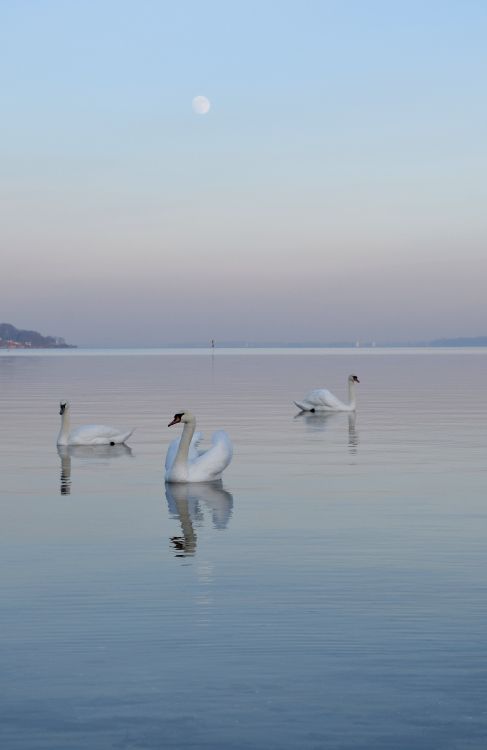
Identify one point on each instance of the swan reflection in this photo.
(87, 454)
(321, 421)
(318, 420)
(186, 503)
(352, 433)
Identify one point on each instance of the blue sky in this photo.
(336, 189)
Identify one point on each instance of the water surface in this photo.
(330, 593)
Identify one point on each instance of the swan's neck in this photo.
(64, 431)
(351, 394)
(183, 450)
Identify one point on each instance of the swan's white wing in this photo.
(97, 434)
(322, 398)
(210, 464)
(194, 450)
(194, 447)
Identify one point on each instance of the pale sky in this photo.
(335, 190)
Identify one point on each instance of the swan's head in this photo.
(182, 416)
(63, 406)
(353, 379)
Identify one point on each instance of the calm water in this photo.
(332, 593)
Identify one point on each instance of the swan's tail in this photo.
(302, 407)
(124, 437)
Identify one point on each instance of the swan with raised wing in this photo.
(186, 462)
(90, 434)
(322, 399)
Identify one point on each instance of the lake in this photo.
(330, 593)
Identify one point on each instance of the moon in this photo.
(201, 105)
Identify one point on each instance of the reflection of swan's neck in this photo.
(351, 394)
(64, 431)
(181, 459)
(65, 457)
(182, 507)
(352, 433)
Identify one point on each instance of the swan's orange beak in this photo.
(176, 420)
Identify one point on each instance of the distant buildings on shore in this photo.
(10, 344)
(15, 338)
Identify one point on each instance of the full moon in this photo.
(201, 105)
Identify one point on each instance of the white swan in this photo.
(185, 462)
(90, 434)
(323, 400)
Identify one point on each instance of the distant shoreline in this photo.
(221, 347)
(12, 338)
(480, 341)
(241, 351)
(13, 345)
